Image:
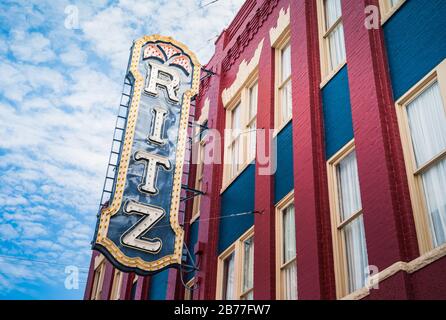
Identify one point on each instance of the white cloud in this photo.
(111, 34)
(91, 89)
(18, 80)
(73, 56)
(112, 30)
(31, 230)
(7, 232)
(31, 47)
(140, 8)
(3, 46)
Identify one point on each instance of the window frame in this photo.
(98, 277)
(324, 46)
(337, 226)
(116, 286)
(280, 207)
(199, 173)
(252, 120)
(414, 174)
(243, 293)
(235, 248)
(134, 284)
(189, 293)
(283, 41)
(241, 100)
(387, 11)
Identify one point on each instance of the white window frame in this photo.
(98, 277)
(237, 249)
(327, 72)
(280, 265)
(387, 10)
(283, 42)
(416, 189)
(243, 135)
(116, 287)
(201, 148)
(339, 245)
(188, 290)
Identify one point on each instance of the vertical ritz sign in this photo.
(139, 231)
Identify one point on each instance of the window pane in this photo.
(248, 264)
(235, 132)
(289, 234)
(289, 282)
(356, 252)
(393, 3)
(286, 63)
(434, 182)
(427, 121)
(336, 46)
(286, 102)
(252, 140)
(253, 93)
(235, 157)
(332, 12)
(116, 285)
(228, 278)
(348, 186)
(236, 118)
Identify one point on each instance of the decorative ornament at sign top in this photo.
(139, 231)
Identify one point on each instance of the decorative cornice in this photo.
(252, 27)
(283, 21)
(244, 71)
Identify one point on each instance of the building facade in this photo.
(353, 204)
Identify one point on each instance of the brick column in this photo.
(388, 219)
(264, 224)
(315, 275)
(206, 248)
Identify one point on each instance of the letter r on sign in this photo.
(165, 77)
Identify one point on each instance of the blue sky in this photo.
(62, 65)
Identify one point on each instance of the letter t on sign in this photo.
(150, 174)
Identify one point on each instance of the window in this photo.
(235, 142)
(349, 241)
(283, 84)
(286, 278)
(98, 280)
(189, 290)
(201, 134)
(389, 7)
(331, 37)
(228, 277)
(247, 292)
(252, 121)
(134, 287)
(422, 119)
(236, 270)
(116, 288)
(241, 126)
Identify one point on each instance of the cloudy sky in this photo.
(62, 65)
